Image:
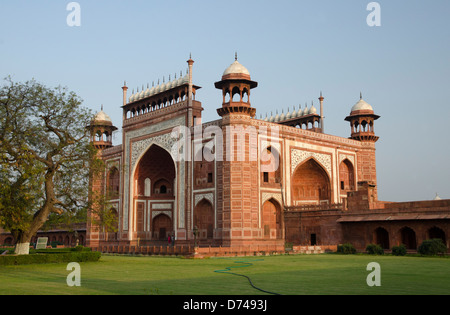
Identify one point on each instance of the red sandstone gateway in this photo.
(322, 193)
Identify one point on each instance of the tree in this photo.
(45, 157)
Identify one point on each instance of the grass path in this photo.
(287, 275)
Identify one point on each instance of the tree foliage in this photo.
(45, 155)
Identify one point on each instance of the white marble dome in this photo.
(236, 68)
(102, 116)
(362, 105)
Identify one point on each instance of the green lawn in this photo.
(287, 275)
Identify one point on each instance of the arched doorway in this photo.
(272, 220)
(154, 180)
(113, 183)
(382, 238)
(310, 184)
(346, 176)
(408, 237)
(436, 232)
(204, 219)
(158, 168)
(161, 227)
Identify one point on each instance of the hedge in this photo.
(374, 249)
(346, 249)
(399, 250)
(432, 247)
(57, 257)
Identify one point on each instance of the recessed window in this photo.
(266, 177)
(210, 178)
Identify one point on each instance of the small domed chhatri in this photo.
(236, 85)
(362, 118)
(101, 130)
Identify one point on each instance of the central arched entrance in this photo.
(310, 184)
(154, 195)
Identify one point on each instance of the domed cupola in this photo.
(236, 84)
(102, 128)
(362, 118)
(312, 110)
(236, 69)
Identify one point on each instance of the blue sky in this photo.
(294, 49)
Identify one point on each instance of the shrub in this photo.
(61, 257)
(346, 249)
(374, 249)
(399, 250)
(432, 247)
(79, 248)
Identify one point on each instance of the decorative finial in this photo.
(102, 107)
(235, 56)
(360, 95)
(190, 55)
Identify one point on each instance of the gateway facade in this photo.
(237, 181)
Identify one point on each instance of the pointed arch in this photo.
(310, 184)
(381, 237)
(408, 237)
(346, 176)
(272, 221)
(436, 232)
(204, 219)
(162, 226)
(113, 182)
(156, 165)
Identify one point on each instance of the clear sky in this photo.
(293, 48)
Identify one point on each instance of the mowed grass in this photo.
(286, 275)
